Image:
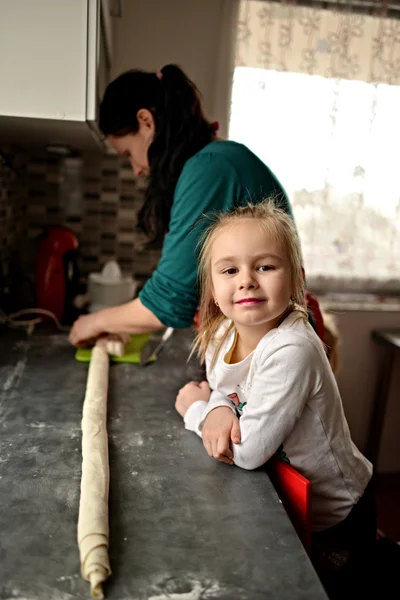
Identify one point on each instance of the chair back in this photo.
(295, 492)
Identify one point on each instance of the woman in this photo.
(156, 120)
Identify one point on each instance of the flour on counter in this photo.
(195, 594)
(39, 593)
(15, 374)
(205, 591)
(11, 381)
(67, 577)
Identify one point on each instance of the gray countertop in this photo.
(182, 525)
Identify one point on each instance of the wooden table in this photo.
(389, 339)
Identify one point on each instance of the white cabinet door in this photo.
(43, 58)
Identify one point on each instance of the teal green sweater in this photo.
(221, 176)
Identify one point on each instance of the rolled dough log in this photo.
(115, 347)
(93, 529)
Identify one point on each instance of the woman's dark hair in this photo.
(181, 130)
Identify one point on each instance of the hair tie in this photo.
(215, 127)
(159, 75)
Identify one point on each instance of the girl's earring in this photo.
(292, 298)
(216, 303)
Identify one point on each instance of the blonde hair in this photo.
(275, 222)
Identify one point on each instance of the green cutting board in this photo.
(133, 350)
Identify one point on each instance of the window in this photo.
(334, 145)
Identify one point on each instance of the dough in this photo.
(93, 528)
(115, 347)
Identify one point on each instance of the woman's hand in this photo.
(219, 429)
(131, 318)
(85, 330)
(191, 393)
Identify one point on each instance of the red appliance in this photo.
(56, 272)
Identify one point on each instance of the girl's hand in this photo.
(85, 330)
(219, 429)
(191, 393)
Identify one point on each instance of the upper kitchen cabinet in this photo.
(55, 58)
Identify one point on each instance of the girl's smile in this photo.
(250, 301)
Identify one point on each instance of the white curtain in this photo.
(285, 37)
(316, 95)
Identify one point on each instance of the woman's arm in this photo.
(132, 317)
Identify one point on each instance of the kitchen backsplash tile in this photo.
(12, 211)
(98, 198)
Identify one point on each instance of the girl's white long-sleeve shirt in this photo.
(286, 395)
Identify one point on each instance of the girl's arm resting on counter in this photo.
(196, 414)
(279, 392)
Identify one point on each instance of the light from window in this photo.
(334, 145)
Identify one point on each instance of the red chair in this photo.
(295, 492)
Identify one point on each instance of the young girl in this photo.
(266, 364)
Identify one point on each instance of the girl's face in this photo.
(135, 145)
(251, 276)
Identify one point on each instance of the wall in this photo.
(154, 33)
(12, 221)
(100, 204)
(361, 359)
(11, 211)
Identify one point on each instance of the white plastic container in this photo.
(110, 287)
